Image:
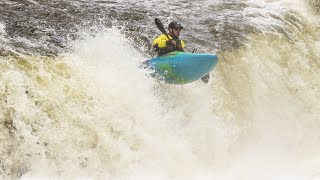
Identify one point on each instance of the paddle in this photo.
(205, 78)
(161, 28)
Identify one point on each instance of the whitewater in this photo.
(75, 105)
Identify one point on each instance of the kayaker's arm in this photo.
(178, 43)
(160, 41)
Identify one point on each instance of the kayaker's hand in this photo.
(178, 42)
(174, 42)
(169, 42)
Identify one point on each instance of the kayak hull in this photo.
(181, 67)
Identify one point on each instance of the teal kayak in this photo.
(181, 67)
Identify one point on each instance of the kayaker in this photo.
(163, 45)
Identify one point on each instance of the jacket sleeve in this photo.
(161, 41)
(182, 44)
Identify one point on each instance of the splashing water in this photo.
(92, 113)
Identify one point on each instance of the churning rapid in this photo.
(74, 104)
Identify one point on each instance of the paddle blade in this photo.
(160, 26)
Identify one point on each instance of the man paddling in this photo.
(166, 43)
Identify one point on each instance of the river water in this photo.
(74, 104)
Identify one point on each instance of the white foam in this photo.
(99, 115)
(2, 28)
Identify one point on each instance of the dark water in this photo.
(49, 25)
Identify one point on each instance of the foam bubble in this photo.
(2, 27)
